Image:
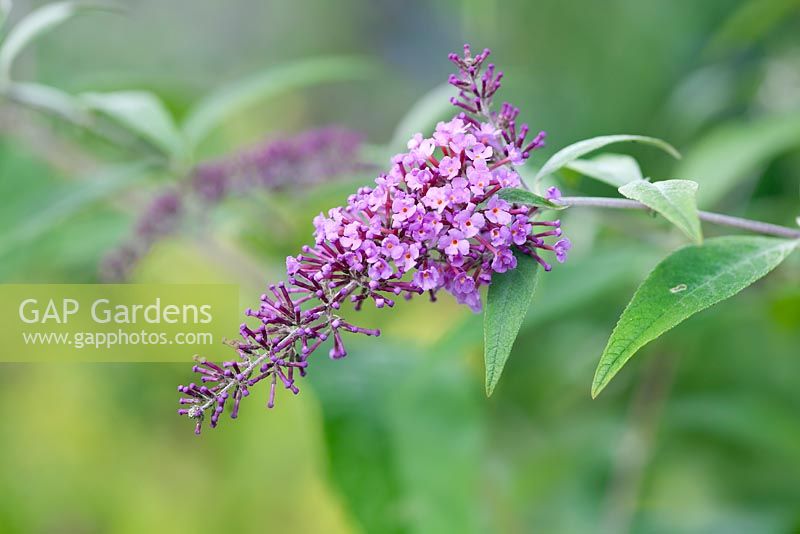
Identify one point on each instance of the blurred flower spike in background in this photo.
(294, 162)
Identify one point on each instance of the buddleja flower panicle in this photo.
(432, 223)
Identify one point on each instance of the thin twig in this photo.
(715, 218)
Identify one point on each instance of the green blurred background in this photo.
(700, 433)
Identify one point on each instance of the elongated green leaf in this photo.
(613, 169)
(142, 113)
(36, 24)
(686, 282)
(507, 302)
(735, 152)
(520, 196)
(47, 212)
(674, 199)
(581, 148)
(49, 100)
(211, 111)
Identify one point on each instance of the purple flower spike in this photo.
(432, 222)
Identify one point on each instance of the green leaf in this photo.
(674, 199)
(143, 114)
(60, 202)
(613, 169)
(507, 302)
(36, 24)
(212, 110)
(686, 282)
(737, 151)
(576, 150)
(520, 196)
(49, 100)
